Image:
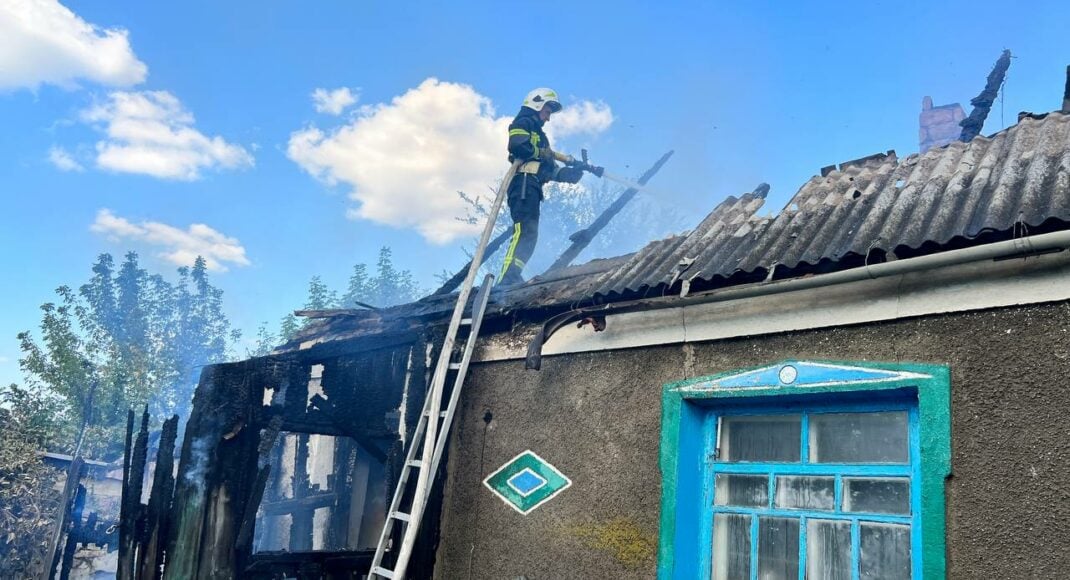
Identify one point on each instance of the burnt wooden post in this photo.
(217, 471)
(270, 435)
(301, 530)
(73, 530)
(130, 512)
(154, 539)
(125, 509)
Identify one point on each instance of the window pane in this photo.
(859, 438)
(828, 550)
(882, 496)
(761, 438)
(813, 493)
(884, 552)
(778, 548)
(742, 490)
(731, 546)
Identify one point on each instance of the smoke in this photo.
(197, 472)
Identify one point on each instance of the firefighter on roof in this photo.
(529, 145)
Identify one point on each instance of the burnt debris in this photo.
(982, 103)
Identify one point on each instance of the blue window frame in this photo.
(843, 471)
(844, 463)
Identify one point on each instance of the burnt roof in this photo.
(1010, 184)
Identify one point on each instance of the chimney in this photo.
(1066, 91)
(938, 125)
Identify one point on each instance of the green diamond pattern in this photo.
(526, 500)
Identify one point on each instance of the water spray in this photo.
(626, 182)
(585, 165)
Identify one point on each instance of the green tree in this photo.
(389, 287)
(198, 334)
(360, 287)
(140, 339)
(265, 342)
(319, 296)
(288, 328)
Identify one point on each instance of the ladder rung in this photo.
(466, 322)
(379, 570)
(455, 366)
(440, 414)
(415, 463)
(401, 516)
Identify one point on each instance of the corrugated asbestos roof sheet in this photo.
(1020, 176)
(951, 196)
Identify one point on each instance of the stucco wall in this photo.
(596, 417)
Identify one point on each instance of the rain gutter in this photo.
(1018, 247)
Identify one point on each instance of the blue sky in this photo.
(744, 92)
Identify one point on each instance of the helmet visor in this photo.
(554, 106)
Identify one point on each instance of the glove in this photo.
(569, 175)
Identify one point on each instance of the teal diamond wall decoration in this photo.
(526, 482)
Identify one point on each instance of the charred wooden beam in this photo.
(349, 564)
(126, 510)
(192, 535)
(245, 531)
(301, 527)
(367, 311)
(130, 510)
(341, 482)
(582, 238)
(310, 502)
(269, 437)
(67, 561)
(360, 345)
(982, 103)
(1066, 92)
(126, 450)
(151, 555)
(338, 418)
(74, 474)
(457, 278)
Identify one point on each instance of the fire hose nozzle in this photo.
(586, 166)
(581, 163)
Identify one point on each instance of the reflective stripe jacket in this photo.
(527, 140)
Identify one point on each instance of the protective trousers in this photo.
(524, 196)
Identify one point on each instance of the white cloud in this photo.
(43, 42)
(333, 102)
(407, 159)
(581, 118)
(151, 133)
(180, 247)
(63, 160)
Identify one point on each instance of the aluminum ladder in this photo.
(429, 439)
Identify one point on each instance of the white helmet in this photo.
(541, 97)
